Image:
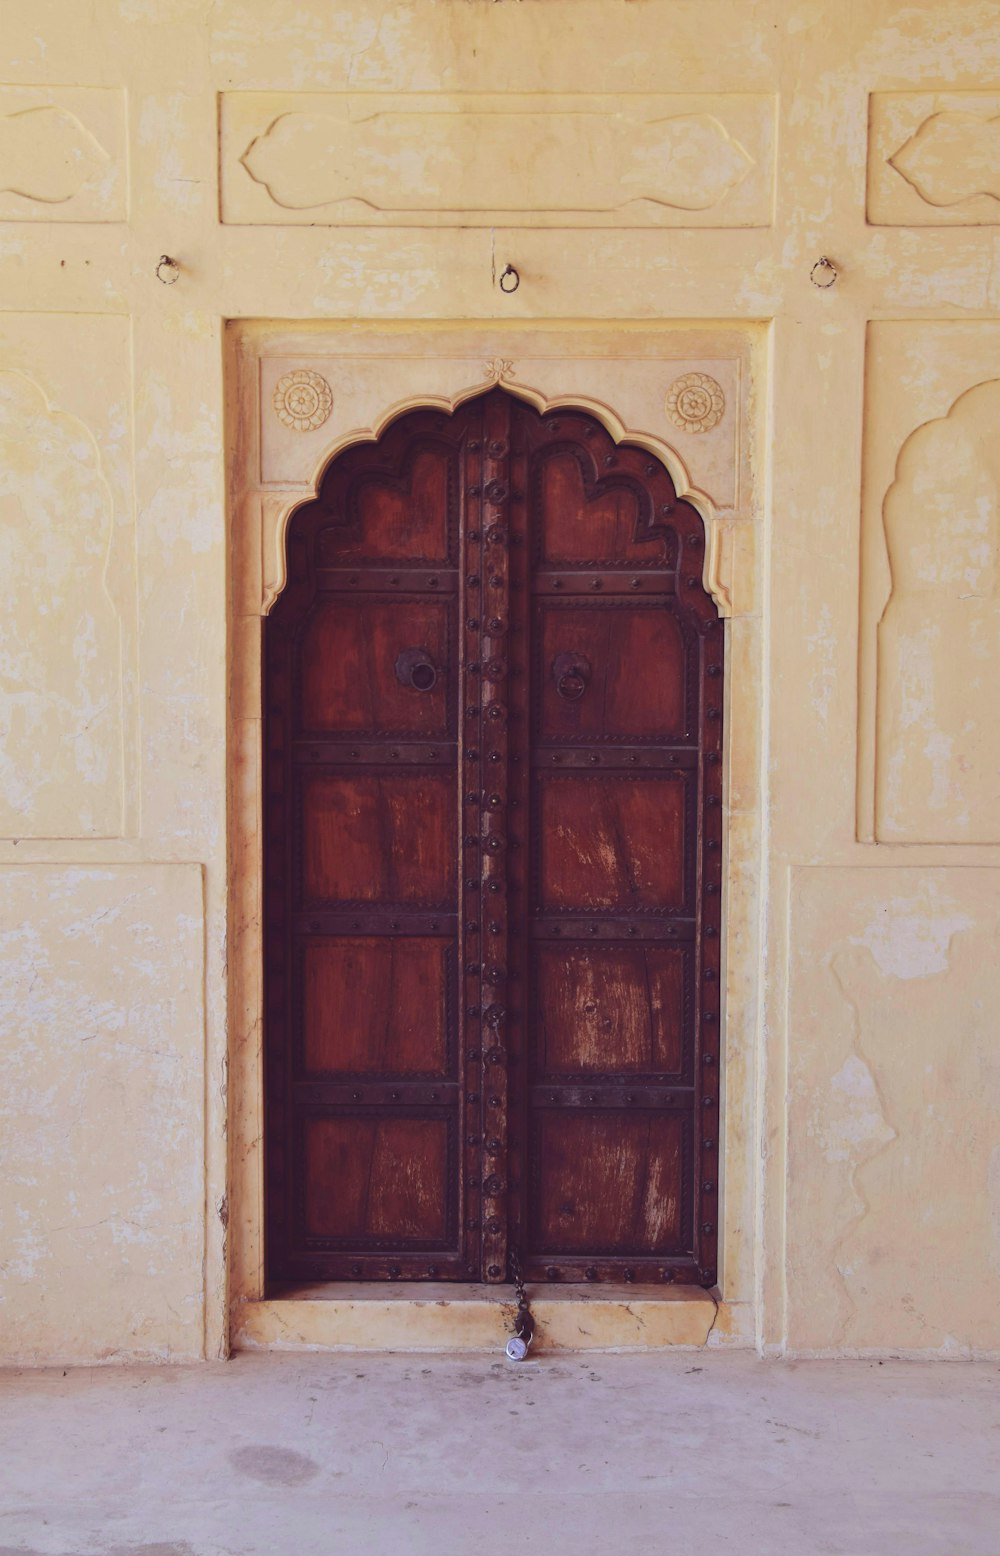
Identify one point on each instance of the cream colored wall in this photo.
(676, 161)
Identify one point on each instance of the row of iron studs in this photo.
(484, 848)
(709, 1003)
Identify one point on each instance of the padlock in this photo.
(516, 1348)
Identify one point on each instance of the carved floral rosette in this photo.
(695, 402)
(302, 400)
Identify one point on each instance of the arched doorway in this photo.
(493, 838)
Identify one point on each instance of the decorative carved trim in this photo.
(953, 157)
(47, 155)
(302, 400)
(497, 369)
(934, 158)
(695, 402)
(652, 160)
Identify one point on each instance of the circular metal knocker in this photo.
(571, 673)
(415, 668)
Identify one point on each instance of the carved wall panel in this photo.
(352, 159)
(930, 619)
(67, 579)
(934, 159)
(101, 1094)
(897, 969)
(62, 154)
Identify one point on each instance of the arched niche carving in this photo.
(938, 637)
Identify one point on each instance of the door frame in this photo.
(360, 380)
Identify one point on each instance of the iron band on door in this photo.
(493, 843)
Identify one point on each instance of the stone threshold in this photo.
(445, 1317)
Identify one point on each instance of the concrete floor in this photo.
(318, 1454)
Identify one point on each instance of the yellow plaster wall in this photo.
(676, 162)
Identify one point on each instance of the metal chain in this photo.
(524, 1324)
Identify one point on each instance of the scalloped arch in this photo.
(543, 403)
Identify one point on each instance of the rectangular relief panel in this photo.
(355, 676)
(377, 1005)
(621, 640)
(436, 159)
(613, 843)
(893, 1128)
(934, 159)
(68, 756)
(361, 844)
(608, 1183)
(379, 1181)
(62, 154)
(620, 1008)
(929, 748)
(102, 1094)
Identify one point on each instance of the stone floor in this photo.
(318, 1454)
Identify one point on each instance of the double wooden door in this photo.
(493, 829)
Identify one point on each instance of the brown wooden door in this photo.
(493, 720)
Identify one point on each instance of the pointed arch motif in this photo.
(500, 371)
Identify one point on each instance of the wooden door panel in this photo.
(608, 1183)
(612, 843)
(631, 663)
(379, 838)
(377, 1006)
(612, 1009)
(405, 517)
(620, 1107)
(377, 1180)
(364, 983)
(355, 678)
(583, 517)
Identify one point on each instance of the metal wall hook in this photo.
(168, 270)
(824, 273)
(509, 279)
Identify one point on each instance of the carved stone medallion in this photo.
(695, 402)
(302, 400)
(497, 369)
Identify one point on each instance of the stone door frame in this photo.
(298, 395)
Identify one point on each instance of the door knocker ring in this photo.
(416, 668)
(571, 673)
